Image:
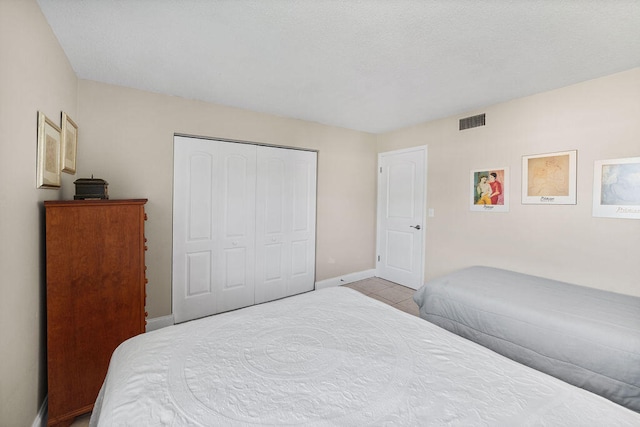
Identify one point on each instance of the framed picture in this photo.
(490, 190)
(549, 179)
(48, 169)
(616, 188)
(69, 146)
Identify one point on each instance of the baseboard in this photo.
(164, 321)
(41, 418)
(346, 279)
(159, 322)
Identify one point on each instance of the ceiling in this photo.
(371, 66)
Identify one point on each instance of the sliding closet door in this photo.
(214, 227)
(285, 222)
(243, 225)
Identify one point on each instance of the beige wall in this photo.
(600, 119)
(34, 76)
(126, 138)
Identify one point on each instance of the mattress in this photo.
(587, 337)
(331, 357)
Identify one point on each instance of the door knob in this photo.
(417, 227)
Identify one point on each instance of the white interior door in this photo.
(401, 216)
(213, 227)
(285, 222)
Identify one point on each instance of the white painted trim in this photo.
(346, 279)
(41, 418)
(159, 322)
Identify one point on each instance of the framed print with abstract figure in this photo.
(616, 188)
(48, 169)
(549, 179)
(490, 190)
(69, 145)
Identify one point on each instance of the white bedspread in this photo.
(332, 357)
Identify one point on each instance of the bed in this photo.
(584, 336)
(331, 357)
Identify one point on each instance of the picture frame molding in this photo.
(69, 144)
(611, 210)
(550, 198)
(504, 207)
(48, 159)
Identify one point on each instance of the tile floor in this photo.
(82, 421)
(390, 293)
(395, 295)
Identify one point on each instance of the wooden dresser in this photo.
(95, 295)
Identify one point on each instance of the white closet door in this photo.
(214, 227)
(285, 222)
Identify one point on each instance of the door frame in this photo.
(424, 150)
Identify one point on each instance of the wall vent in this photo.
(472, 122)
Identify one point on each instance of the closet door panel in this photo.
(198, 273)
(299, 260)
(285, 222)
(194, 238)
(198, 244)
(303, 178)
(214, 230)
(238, 194)
(303, 233)
(234, 275)
(273, 262)
(272, 218)
(244, 225)
(199, 186)
(272, 177)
